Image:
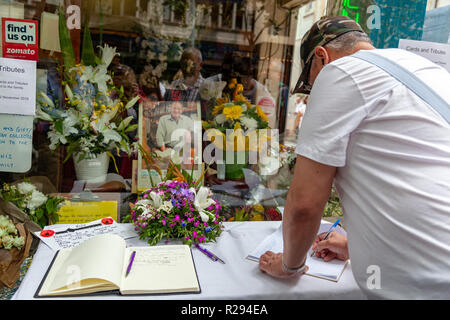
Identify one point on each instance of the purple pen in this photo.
(131, 263)
(210, 255)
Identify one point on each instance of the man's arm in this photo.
(307, 196)
(160, 133)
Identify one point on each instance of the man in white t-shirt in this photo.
(388, 154)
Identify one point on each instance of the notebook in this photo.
(99, 265)
(331, 270)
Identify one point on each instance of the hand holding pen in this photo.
(330, 246)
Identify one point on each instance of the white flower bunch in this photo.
(8, 235)
(91, 121)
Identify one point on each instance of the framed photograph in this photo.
(169, 130)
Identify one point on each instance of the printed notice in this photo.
(16, 142)
(17, 86)
(438, 53)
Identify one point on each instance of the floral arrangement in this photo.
(41, 208)
(233, 111)
(8, 235)
(249, 213)
(91, 122)
(173, 210)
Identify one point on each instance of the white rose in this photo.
(25, 187)
(249, 123)
(37, 199)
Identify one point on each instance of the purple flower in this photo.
(194, 234)
(208, 229)
(177, 218)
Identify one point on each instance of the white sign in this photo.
(438, 53)
(16, 142)
(17, 86)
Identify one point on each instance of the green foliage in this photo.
(87, 51)
(333, 207)
(65, 42)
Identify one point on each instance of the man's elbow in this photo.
(304, 207)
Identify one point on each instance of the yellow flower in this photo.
(221, 101)
(261, 113)
(232, 113)
(258, 208)
(239, 88)
(232, 83)
(217, 109)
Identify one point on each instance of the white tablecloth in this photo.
(238, 279)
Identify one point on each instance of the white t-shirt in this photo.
(392, 151)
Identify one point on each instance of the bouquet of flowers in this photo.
(173, 210)
(41, 209)
(91, 122)
(8, 235)
(234, 111)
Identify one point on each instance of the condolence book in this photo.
(100, 264)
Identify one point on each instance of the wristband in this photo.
(294, 270)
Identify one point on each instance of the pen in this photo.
(131, 263)
(209, 254)
(329, 231)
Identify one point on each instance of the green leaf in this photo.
(65, 43)
(131, 128)
(87, 51)
(59, 126)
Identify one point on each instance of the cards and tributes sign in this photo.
(20, 39)
(438, 53)
(17, 86)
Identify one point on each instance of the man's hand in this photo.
(335, 246)
(270, 263)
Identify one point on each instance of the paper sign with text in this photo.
(82, 212)
(20, 39)
(17, 86)
(438, 53)
(16, 142)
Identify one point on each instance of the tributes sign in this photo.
(20, 39)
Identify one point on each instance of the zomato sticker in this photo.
(20, 39)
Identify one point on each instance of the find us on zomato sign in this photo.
(20, 39)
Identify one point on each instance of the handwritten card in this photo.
(68, 236)
(16, 142)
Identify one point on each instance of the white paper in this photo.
(438, 53)
(64, 238)
(317, 267)
(17, 86)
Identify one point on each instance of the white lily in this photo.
(156, 199)
(132, 102)
(108, 53)
(202, 201)
(42, 115)
(47, 100)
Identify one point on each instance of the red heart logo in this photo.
(31, 26)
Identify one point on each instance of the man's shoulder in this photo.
(164, 117)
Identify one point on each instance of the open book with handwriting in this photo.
(331, 270)
(100, 264)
